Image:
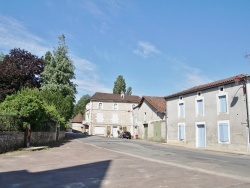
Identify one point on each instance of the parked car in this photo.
(126, 134)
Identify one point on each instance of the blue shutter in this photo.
(223, 103)
(224, 132)
(181, 132)
(200, 107)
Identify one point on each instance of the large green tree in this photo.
(19, 69)
(120, 86)
(81, 104)
(59, 73)
(30, 105)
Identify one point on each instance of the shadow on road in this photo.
(88, 175)
(70, 135)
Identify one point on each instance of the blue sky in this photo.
(159, 46)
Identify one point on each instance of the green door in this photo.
(157, 131)
(145, 131)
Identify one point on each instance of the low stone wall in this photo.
(10, 141)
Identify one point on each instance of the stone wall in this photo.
(10, 141)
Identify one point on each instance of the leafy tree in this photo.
(81, 104)
(58, 74)
(129, 91)
(30, 106)
(59, 70)
(2, 56)
(120, 86)
(62, 104)
(19, 69)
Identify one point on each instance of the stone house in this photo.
(110, 114)
(149, 118)
(212, 116)
(76, 124)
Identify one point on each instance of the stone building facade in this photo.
(110, 114)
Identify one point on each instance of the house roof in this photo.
(159, 103)
(208, 86)
(109, 97)
(77, 119)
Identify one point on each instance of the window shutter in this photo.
(223, 103)
(224, 136)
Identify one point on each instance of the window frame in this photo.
(198, 98)
(100, 106)
(115, 108)
(179, 109)
(220, 94)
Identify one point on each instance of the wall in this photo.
(148, 115)
(236, 116)
(109, 117)
(10, 141)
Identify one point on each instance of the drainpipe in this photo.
(246, 89)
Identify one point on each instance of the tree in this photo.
(120, 86)
(58, 74)
(30, 106)
(81, 104)
(19, 69)
(129, 91)
(2, 56)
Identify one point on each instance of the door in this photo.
(145, 131)
(115, 131)
(201, 136)
(99, 130)
(157, 131)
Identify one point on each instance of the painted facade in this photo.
(149, 119)
(110, 114)
(212, 116)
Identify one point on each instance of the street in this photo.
(94, 161)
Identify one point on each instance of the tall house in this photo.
(110, 114)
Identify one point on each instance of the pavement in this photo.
(74, 164)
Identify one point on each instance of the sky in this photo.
(160, 47)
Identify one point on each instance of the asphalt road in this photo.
(113, 163)
(233, 165)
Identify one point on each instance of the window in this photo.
(181, 131)
(223, 132)
(100, 106)
(181, 109)
(115, 106)
(199, 107)
(223, 104)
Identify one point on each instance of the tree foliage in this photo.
(120, 86)
(19, 69)
(1, 56)
(57, 77)
(59, 70)
(32, 108)
(81, 104)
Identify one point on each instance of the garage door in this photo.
(99, 130)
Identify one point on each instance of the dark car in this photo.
(126, 134)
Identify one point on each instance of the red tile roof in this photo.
(109, 97)
(77, 119)
(159, 103)
(207, 86)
